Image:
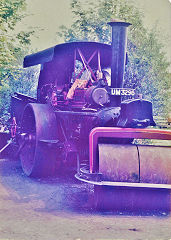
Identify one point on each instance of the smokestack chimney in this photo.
(119, 43)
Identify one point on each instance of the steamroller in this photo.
(84, 118)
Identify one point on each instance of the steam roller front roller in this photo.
(136, 165)
(129, 178)
(37, 140)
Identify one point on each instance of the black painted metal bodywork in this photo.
(92, 104)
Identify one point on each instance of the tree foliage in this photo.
(147, 68)
(11, 12)
(13, 47)
(17, 80)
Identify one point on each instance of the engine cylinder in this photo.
(97, 96)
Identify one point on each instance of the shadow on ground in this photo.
(59, 193)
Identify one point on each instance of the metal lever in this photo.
(9, 142)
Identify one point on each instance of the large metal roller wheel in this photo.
(38, 156)
(135, 163)
(155, 164)
(118, 162)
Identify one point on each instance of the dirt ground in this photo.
(58, 209)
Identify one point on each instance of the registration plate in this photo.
(122, 91)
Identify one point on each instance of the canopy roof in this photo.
(58, 61)
(66, 50)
